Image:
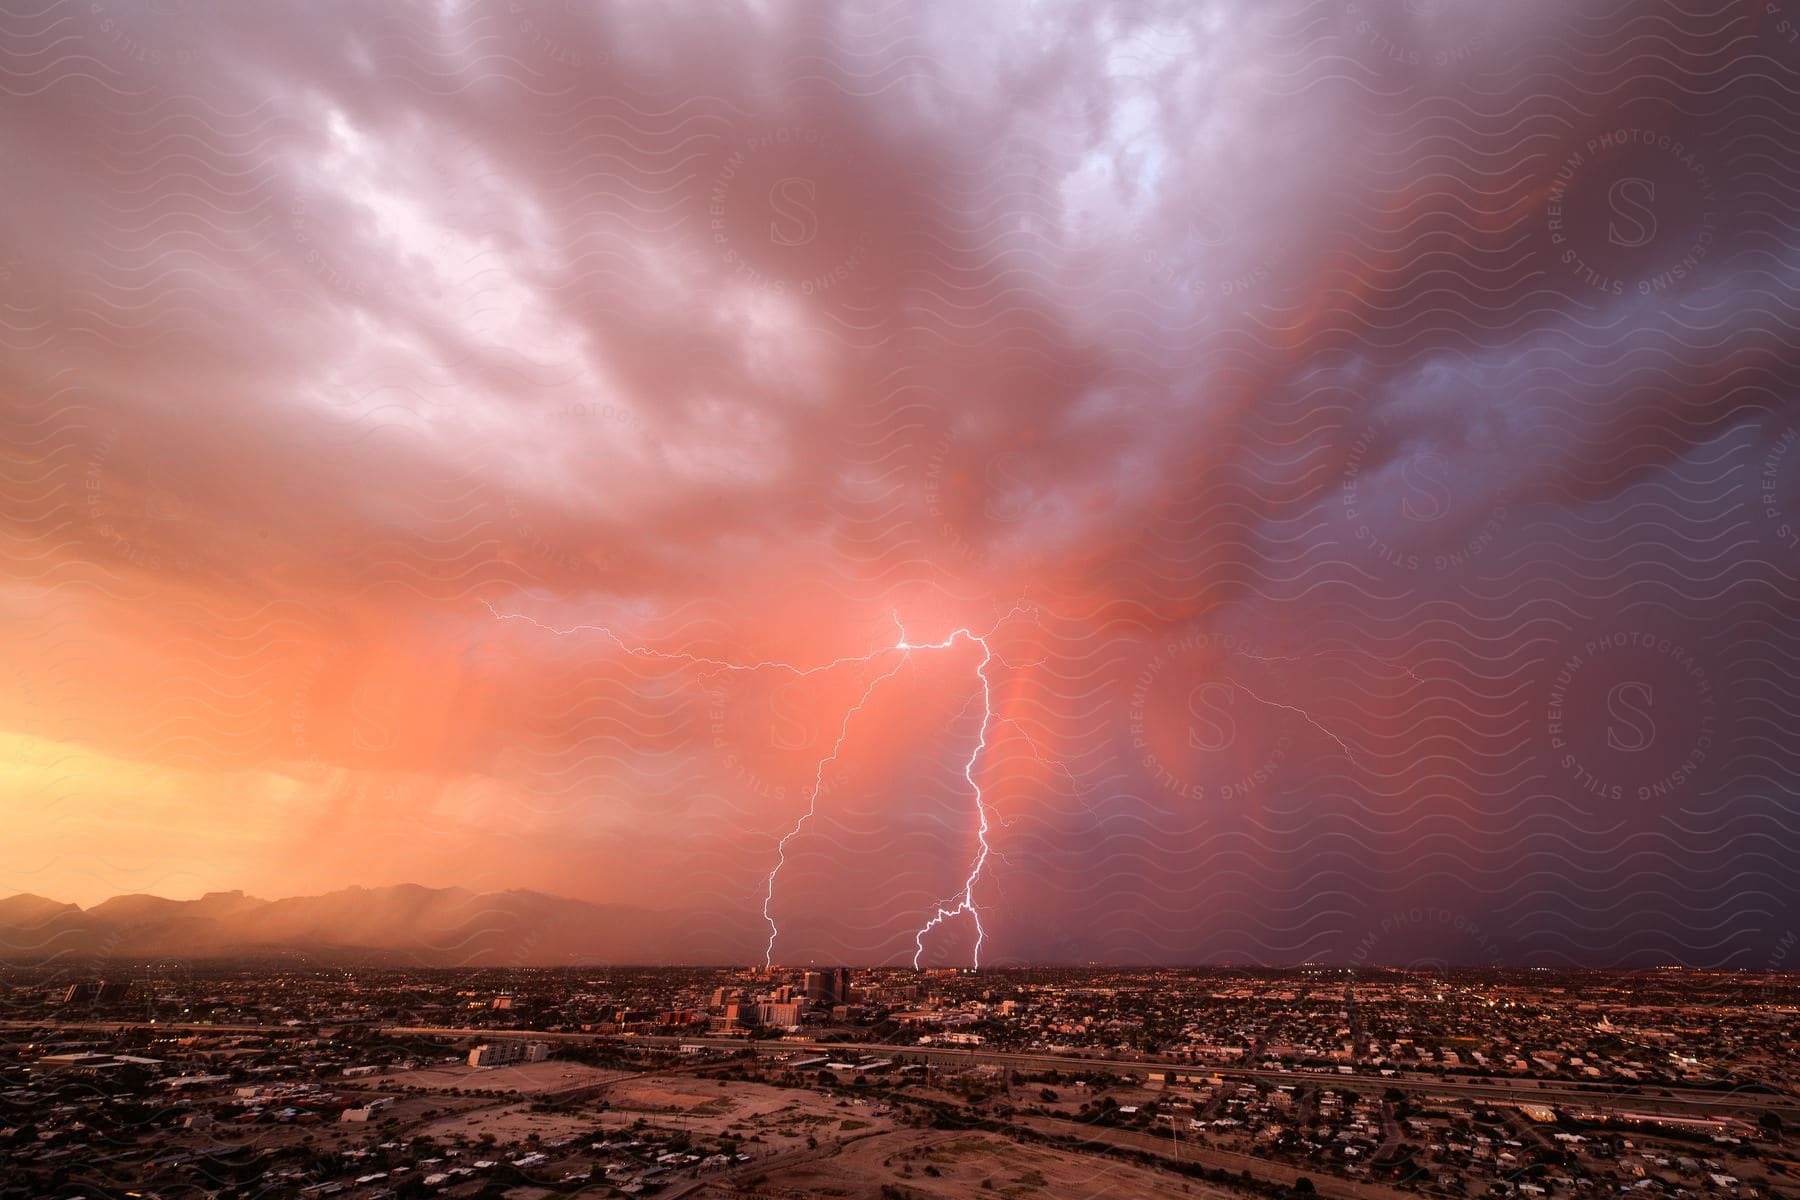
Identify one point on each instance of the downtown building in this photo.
(507, 1053)
(827, 988)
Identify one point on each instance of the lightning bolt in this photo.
(1074, 784)
(964, 902)
(812, 805)
(677, 656)
(1304, 715)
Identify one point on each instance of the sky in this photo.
(511, 445)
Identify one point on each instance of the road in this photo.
(176, 1026)
(1688, 1102)
(1679, 1102)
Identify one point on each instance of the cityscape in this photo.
(284, 1079)
(900, 600)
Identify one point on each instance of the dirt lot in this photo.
(513, 1123)
(770, 1120)
(801, 1140)
(781, 1118)
(956, 1165)
(524, 1078)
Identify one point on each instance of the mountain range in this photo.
(405, 923)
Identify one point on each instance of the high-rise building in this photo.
(780, 1015)
(500, 1054)
(98, 991)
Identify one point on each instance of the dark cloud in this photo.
(1366, 426)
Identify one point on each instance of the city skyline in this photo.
(389, 1081)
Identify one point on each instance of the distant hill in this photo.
(404, 923)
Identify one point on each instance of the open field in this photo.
(779, 1119)
(525, 1078)
(770, 1120)
(508, 1124)
(953, 1165)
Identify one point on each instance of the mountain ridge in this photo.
(450, 926)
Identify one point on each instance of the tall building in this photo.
(779, 1015)
(99, 991)
(817, 986)
(512, 1050)
(840, 986)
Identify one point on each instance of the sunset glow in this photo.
(888, 484)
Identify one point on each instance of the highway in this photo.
(1690, 1102)
(52, 1023)
(1687, 1102)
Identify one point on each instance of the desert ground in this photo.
(936, 1165)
